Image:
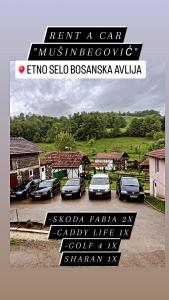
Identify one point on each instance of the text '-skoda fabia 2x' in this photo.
(100, 187)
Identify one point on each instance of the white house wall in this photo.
(157, 179)
(71, 172)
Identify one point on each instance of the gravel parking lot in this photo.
(146, 247)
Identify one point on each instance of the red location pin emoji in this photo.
(21, 69)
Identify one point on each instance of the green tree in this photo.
(65, 141)
(91, 142)
(116, 126)
(151, 124)
(158, 135)
(136, 128)
(158, 144)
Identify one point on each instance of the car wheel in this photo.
(51, 195)
(27, 195)
(109, 196)
(80, 194)
(120, 197)
(142, 199)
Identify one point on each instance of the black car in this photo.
(129, 188)
(73, 188)
(46, 189)
(23, 191)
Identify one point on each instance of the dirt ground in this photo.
(28, 254)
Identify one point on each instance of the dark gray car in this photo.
(129, 188)
(73, 188)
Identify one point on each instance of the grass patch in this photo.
(16, 241)
(157, 203)
(136, 147)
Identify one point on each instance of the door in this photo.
(154, 188)
(42, 173)
(13, 180)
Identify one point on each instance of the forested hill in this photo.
(85, 126)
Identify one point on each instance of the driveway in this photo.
(146, 245)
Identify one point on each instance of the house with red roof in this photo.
(73, 162)
(145, 165)
(157, 172)
(112, 160)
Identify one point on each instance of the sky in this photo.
(63, 97)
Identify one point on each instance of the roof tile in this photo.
(159, 153)
(111, 155)
(19, 145)
(64, 159)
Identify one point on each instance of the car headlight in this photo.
(123, 192)
(107, 190)
(45, 193)
(90, 190)
(19, 193)
(141, 193)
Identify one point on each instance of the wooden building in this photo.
(24, 160)
(111, 160)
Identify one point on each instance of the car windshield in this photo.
(20, 188)
(45, 184)
(99, 181)
(27, 184)
(130, 182)
(72, 183)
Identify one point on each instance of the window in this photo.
(156, 165)
(31, 173)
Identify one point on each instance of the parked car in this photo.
(23, 191)
(73, 188)
(100, 186)
(46, 189)
(129, 188)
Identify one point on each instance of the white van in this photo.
(100, 186)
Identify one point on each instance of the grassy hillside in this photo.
(136, 147)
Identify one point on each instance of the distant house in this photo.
(111, 160)
(24, 160)
(72, 162)
(157, 172)
(145, 165)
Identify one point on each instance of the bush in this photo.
(158, 135)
